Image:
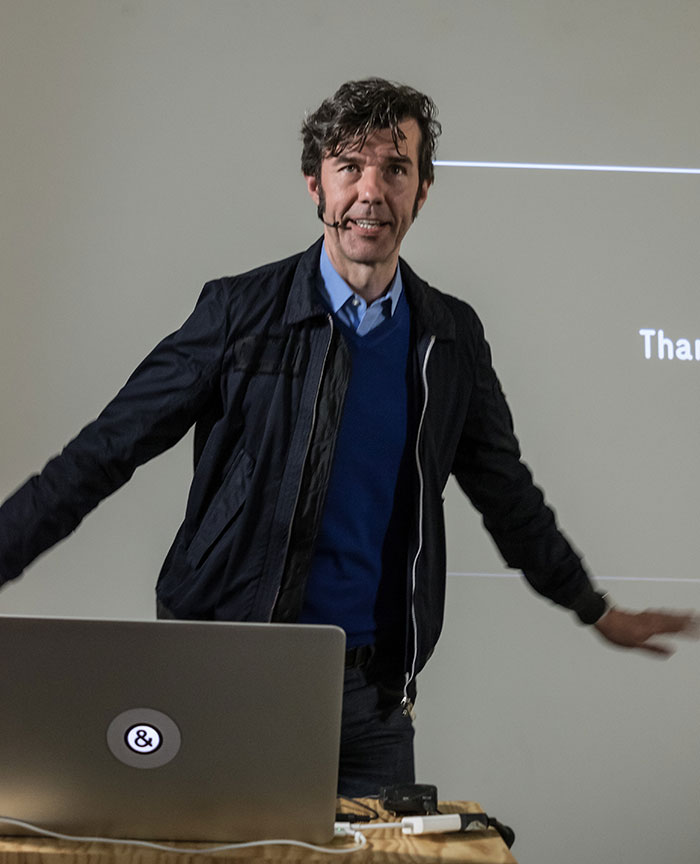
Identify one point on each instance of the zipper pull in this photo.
(407, 708)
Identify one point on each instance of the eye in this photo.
(397, 170)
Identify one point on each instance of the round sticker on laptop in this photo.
(143, 738)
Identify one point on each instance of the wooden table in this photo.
(388, 846)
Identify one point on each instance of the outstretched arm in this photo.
(163, 398)
(489, 469)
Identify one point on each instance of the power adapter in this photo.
(409, 798)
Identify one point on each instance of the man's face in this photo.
(374, 193)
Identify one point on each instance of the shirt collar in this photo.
(338, 292)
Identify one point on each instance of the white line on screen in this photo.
(689, 580)
(544, 166)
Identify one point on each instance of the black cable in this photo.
(506, 832)
(356, 817)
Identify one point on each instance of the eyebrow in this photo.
(354, 155)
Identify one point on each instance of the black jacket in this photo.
(261, 370)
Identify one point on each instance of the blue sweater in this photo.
(360, 542)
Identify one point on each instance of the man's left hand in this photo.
(639, 629)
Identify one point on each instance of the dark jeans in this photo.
(376, 739)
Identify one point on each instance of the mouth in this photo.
(367, 224)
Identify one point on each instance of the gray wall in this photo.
(149, 145)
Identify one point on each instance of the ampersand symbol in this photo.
(141, 740)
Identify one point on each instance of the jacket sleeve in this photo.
(488, 467)
(154, 409)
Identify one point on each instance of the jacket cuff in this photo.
(591, 607)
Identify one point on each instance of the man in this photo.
(333, 394)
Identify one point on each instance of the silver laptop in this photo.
(170, 730)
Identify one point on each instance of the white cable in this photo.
(360, 841)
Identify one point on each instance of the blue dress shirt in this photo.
(349, 307)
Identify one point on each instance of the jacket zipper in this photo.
(406, 703)
(306, 452)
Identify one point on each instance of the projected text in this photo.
(659, 346)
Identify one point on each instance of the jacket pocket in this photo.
(225, 506)
(268, 355)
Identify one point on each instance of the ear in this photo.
(422, 194)
(312, 185)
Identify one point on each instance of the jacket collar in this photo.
(427, 304)
(304, 300)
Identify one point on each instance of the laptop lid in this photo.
(169, 729)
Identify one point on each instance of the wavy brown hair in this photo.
(359, 108)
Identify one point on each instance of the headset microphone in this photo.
(330, 224)
(320, 210)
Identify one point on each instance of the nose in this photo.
(372, 186)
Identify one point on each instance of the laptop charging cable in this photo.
(436, 824)
(359, 839)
